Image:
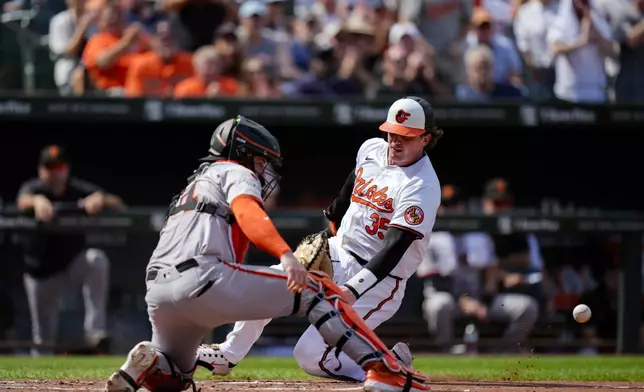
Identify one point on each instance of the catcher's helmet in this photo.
(412, 116)
(241, 139)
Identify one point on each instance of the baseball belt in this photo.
(181, 267)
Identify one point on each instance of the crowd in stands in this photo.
(469, 50)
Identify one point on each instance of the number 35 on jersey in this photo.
(378, 226)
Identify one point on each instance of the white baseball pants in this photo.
(311, 353)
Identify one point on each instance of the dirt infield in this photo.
(331, 386)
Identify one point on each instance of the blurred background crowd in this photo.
(464, 50)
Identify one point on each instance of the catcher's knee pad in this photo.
(340, 326)
(166, 377)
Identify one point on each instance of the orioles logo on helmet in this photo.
(402, 116)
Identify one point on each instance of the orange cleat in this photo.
(381, 379)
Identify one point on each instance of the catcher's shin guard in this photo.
(149, 368)
(167, 377)
(341, 327)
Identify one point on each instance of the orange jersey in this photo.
(113, 76)
(150, 75)
(195, 87)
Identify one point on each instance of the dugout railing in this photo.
(130, 237)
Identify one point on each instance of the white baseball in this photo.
(581, 313)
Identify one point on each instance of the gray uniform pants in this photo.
(518, 310)
(181, 313)
(90, 269)
(185, 306)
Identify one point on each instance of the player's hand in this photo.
(43, 209)
(472, 307)
(481, 312)
(511, 280)
(92, 204)
(348, 295)
(297, 275)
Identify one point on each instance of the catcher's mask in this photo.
(251, 145)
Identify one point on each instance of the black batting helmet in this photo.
(241, 139)
(412, 116)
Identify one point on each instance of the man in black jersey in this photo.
(55, 260)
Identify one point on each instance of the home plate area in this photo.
(329, 386)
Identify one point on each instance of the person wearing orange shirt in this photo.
(208, 81)
(155, 73)
(108, 53)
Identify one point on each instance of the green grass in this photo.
(535, 368)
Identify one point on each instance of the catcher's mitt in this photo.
(313, 252)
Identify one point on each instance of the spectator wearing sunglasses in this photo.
(54, 261)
